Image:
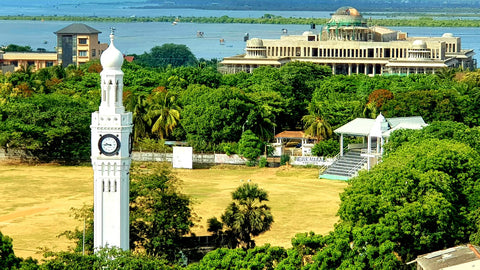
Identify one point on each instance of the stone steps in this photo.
(345, 167)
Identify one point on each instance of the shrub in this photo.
(229, 148)
(284, 159)
(250, 146)
(153, 145)
(251, 163)
(328, 148)
(262, 163)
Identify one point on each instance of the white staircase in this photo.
(346, 166)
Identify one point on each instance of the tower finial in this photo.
(112, 33)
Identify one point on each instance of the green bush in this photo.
(328, 148)
(250, 146)
(229, 148)
(284, 159)
(152, 145)
(251, 163)
(262, 163)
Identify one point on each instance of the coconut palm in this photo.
(136, 103)
(316, 126)
(248, 216)
(163, 113)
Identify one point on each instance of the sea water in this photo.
(137, 38)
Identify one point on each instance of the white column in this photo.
(369, 144)
(341, 145)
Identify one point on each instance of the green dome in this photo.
(347, 16)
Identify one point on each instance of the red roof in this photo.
(129, 58)
(291, 134)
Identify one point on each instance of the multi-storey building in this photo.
(349, 45)
(76, 44)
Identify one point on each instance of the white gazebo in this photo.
(284, 137)
(376, 132)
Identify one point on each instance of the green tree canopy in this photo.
(250, 146)
(50, 127)
(16, 48)
(159, 214)
(8, 260)
(175, 55)
(419, 199)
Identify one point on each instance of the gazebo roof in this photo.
(291, 135)
(356, 127)
(363, 126)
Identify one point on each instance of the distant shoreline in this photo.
(422, 20)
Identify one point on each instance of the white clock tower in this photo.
(111, 148)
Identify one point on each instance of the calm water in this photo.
(140, 37)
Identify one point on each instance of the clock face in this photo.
(109, 145)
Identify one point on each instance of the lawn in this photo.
(36, 201)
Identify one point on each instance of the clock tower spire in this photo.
(111, 144)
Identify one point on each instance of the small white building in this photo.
(375, 133)
(455, 258)
(293, 143)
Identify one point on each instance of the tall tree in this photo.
(163, 113)
(250, 146)
(136, 102)
(316, 126)
(159, 214)
(248, 215)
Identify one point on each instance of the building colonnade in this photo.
(379, 52)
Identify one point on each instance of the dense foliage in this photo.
(159, 214)
(422, 197)
(46, 113)
(7, 256)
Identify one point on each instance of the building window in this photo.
(49, 64)
(94, 53)
(82, 53)
(82, 41)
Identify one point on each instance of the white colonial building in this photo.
(350, 45)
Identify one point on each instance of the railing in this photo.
(358, 166)
(323, 168)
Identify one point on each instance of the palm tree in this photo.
(136, 103)
(163, 113)
(247, 216)
(316, 126)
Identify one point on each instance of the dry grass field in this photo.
(36, 200)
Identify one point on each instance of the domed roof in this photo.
(111, 58)
(447, 35)
(255, 42)
(347, 16)
(349, 11)
(419, 44)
